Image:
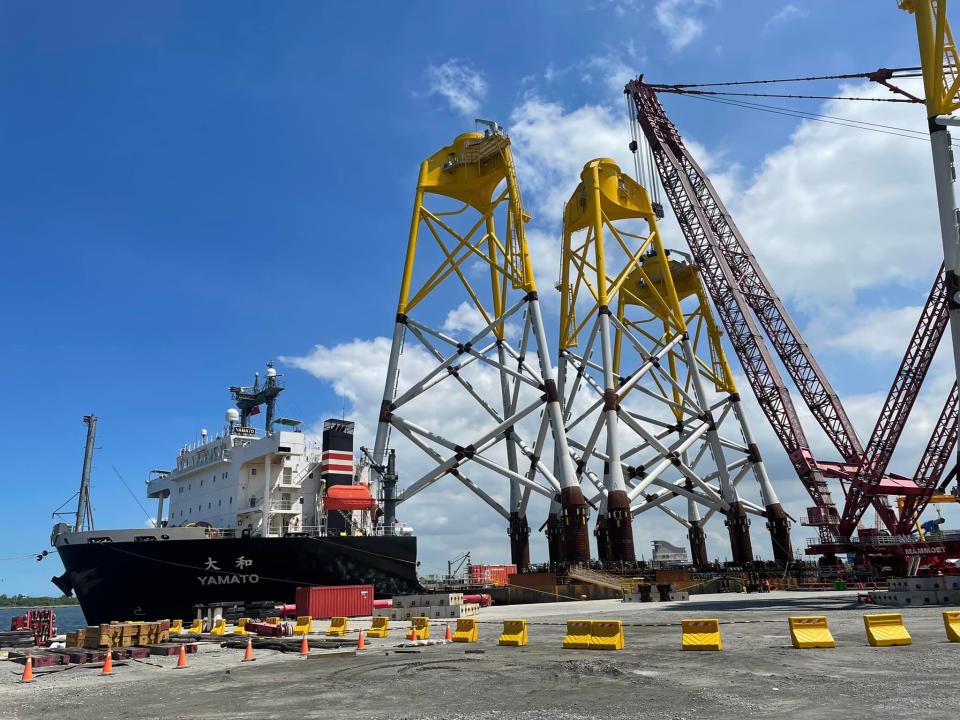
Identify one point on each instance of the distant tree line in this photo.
(18, 600)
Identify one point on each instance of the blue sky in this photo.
(190, 189)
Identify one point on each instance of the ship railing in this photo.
(282, 505)
(222, 532)
(949, 535)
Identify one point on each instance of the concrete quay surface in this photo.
(757, 675)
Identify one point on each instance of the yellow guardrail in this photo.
(514, 633)
(380, 627)
(337, 627)
(886, 629)
(811, 632)
(466, 631)
(701, 634)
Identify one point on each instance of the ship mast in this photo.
(84, 509)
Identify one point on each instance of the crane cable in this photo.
(680, 91)
(829, 119)
(882, 72)
(881, 76)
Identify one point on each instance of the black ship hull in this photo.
(166, 578)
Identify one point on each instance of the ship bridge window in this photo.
(283, 448)
(253, 472)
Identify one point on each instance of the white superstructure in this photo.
(264, 484)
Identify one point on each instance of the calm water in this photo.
(68, 618)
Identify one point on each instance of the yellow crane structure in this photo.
(648, 395)
(941, 84)
(467, 244)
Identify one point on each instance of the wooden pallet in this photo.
(170, 649)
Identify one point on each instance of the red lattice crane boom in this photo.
(868, 482)
(746, 301)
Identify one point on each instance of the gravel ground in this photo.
(758, 674)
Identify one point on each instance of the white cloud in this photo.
(784, 15)
(613, 68)
(552, 146)
(679, 20)
(464, 317)
(837, 210)
(460, 85)
(620, 8)
(878, 332)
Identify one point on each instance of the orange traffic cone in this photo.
(27, 670)
(108, 663)
(248, 654)
(304, 646)
(413, 633)
(447, 635)
(361, 642)
(182, 659)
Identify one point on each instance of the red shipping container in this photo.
(329, 601)
(491, 574)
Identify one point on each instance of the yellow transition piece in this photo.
(701, 634)
(811, 632)
(514, 633)
(886, 629)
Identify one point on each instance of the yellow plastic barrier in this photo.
(811, 632)
(466, 631)
(578, 635)
(951, 622)
(304, 625)
(219, 627)
(514, 633)
(196, 628)
(176, 626)
(380, 627)
(273, 620)
(606, 635)
(701, 634)
(886, 629)
(338, 626)
(422, 626)
(241, 628)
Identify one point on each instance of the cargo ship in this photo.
(245, 516)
